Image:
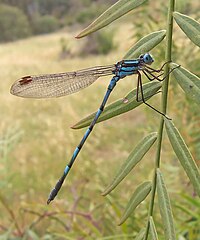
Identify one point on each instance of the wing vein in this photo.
(58, 84)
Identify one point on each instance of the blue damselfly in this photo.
(61, 84)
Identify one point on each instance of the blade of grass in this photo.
(190, 213)
(191, 200)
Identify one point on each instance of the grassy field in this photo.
(37, 142)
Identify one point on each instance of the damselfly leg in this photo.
(157, 70)
(139, 85)
(139, 88)
(147, 71)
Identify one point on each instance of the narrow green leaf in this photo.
(189, 82)
(189, 26)
(136, 155)
(121, 106)
(152, 229)
(145, 44)
(117, 10)
(184, 155)
(141, 234)
(192, 214)
(194, 202)
(165, 208)
(138, 196)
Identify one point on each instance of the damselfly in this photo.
(61, 84)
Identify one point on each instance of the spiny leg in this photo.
(145, 71)
(139, 84)
(137, 90)
(157, 70)
(154, 77)
(137, 94)
(58, 185)
(146, 98)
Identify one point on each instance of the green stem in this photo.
(164, 106)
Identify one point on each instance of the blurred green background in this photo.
(35, 136)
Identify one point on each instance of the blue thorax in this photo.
(128, 67)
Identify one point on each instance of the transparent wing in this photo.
(60, 84)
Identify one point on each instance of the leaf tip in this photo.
(173, 65)
(78, 36)
(106, 192)
(120, 222)
(175, 13)
(84, 32)
(167, 117)
(74, 126)
(167, 120)
(103, 194)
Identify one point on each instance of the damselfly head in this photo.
(146, 58)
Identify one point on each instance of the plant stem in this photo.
(164, 106)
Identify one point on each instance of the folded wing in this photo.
(60, 84)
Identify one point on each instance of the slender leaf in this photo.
(184, 155)
(153, 232)
(136, 155)
(194, 202)
(138, 196)
(117, 10)
(186, 210)
(122, 105)
(141, 234)
(189, 26)
(189, 82)
(165, 208)
(145, 44)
